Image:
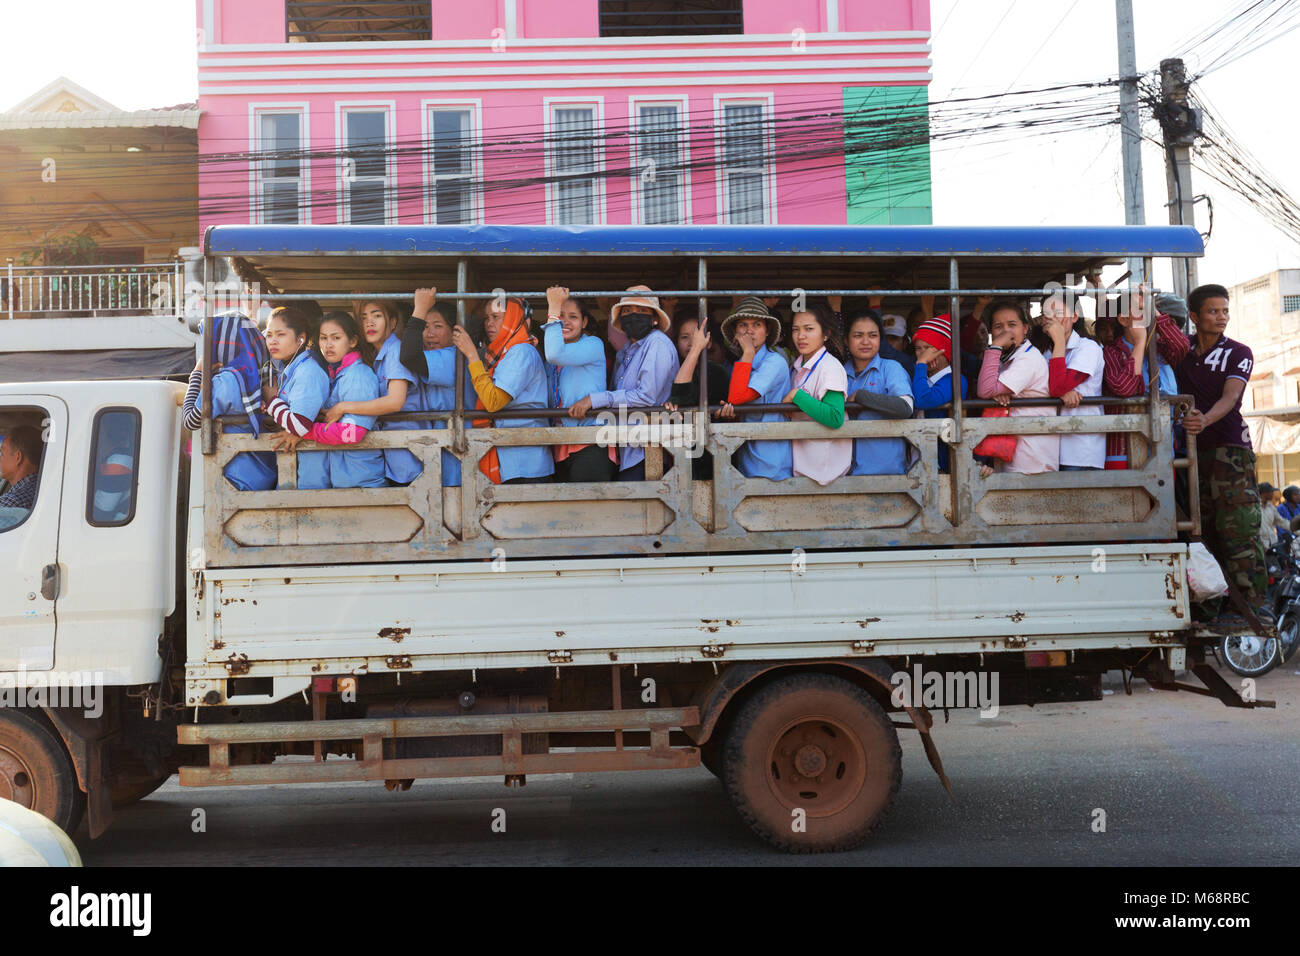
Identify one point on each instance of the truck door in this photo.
(30, 575)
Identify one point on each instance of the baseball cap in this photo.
(894, 325)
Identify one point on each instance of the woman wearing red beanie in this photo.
(932, 379)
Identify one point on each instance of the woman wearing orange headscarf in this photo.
(510, 375)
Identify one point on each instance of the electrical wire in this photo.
(803, 141)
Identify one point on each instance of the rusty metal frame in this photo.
(373, 732)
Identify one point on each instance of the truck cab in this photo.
(91, 563)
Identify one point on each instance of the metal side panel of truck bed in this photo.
(293, 623)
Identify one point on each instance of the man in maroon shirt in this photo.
(1215, 372)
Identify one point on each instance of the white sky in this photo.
(147, 59)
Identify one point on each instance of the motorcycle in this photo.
(1286, 605)
(1251, 655)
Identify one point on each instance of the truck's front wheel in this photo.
(36, 772)
(812, 763)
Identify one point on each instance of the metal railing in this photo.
(51, 292)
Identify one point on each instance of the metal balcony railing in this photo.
(52, 292)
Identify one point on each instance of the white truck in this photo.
(156, 620)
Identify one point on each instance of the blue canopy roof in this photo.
(707, 240)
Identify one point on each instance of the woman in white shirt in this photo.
(1074, 372)
(1013, 368)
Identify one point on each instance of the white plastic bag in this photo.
(1204, 576)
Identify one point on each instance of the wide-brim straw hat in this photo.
(751, 307)
(648, 301)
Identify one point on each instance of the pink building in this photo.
(564, 111)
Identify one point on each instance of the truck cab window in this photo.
(114, 464)
(21, 450)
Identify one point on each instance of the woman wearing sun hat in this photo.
(644, 372)
(762, 376)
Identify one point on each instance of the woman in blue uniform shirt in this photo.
(347, 355)
(428, 354)
(300, 387)
(398, 390)
(575, 368)
(883, 388)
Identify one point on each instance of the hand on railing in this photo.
(336, 411)
(424, 300)
(461, 339)
(285, 441)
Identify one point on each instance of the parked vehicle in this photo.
(757, 627)
(29, 839)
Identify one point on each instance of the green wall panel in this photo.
(887, 155)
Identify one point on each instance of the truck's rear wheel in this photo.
(36, 772)
(812, 763)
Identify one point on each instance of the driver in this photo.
(20, 463)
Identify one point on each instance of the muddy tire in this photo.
(812, 763)
(36, 771)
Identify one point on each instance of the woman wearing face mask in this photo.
(643, 374)
(820, 384)
(427, 353)
(880, 385)
(575, 367)
(1013, 368)
(240, 369)
(352, 379)
(761, 376)
(1074, 372)
(380, 324)
(300, 387)
(511, 375)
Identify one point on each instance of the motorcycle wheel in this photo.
(1249, 655)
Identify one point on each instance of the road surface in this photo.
(1182, 780)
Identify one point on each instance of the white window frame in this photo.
(341, 110)
(720, 101)
(683, 112)
(1296, 297)
(475, 108)
(255, 113)
(549, 104)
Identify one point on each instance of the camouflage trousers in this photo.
(1230, 517)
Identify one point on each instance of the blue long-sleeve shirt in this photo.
(643, 377)
(930, 397)
(574, 370)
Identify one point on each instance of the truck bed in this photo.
(293, 623)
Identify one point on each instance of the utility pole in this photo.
(1130, 124)
(1180, 125)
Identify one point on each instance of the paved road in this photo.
(1182, 779)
